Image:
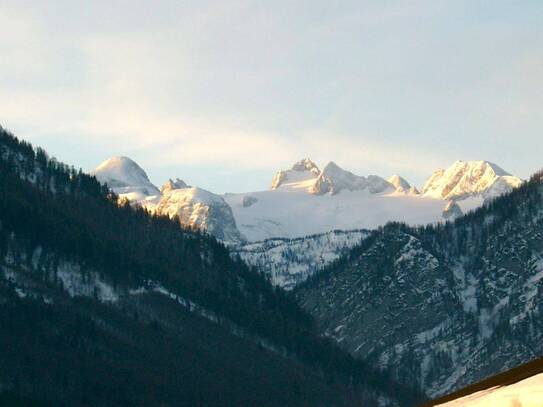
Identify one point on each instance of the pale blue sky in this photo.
(224, 93)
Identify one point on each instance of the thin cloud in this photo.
(250, 86)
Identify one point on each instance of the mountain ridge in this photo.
(328, 199)
(466, 177)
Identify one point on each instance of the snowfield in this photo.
(293, 212)
(526, 393)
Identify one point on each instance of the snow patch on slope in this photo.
(78, 284)
(288, 262)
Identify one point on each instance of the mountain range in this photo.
(305, 200)
(392, 294)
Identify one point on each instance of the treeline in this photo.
(44, 203)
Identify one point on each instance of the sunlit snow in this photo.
(304, 200)
(526, 393)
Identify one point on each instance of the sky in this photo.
(224, 93)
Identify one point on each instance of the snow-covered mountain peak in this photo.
(126, 178)
(341, 179)
(469, 178)
(171, 185)
(305, 200)
(300, 176)
(305, 176)
(194, 207)
(402, 186)
(122, 169)
(482, 164)
(306, 164)
(399, 182)
(334, 179)
(198, 208)
(332, 167)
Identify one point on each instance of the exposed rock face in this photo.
(200, 209)
(399, 182)
(306, 165)
(171, 185)
(322, 185)
(413, 191)
(402, 186)
(377, 184)
(302, 171)
(279, 178)
(470, 178)
(249, 200)
(340, 179)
